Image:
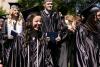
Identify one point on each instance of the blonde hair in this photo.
(70, 18)
(10, 16)
(70, 21)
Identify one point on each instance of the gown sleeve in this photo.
(86, 49)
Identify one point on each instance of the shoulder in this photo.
(43, 13)
(55, 14)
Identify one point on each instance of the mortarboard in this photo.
(86, 11)
(29, 11)
(3, 17)
(94, 9)
(14, 5)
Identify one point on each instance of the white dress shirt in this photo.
(10, 27)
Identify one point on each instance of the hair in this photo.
(70, 18)
(19, 18)
(98, 11)
(96, 14)
(30, 19)
(29, 27)
(90, 23)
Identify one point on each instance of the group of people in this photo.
(47, 38)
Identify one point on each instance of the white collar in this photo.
(46, 12)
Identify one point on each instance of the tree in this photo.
(65, 8)
(26, 4)
(2, 12)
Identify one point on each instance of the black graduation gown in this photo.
(2, 40)
(13, 55)
(63, 45)
(1, 48)
(12, 52)
(52, 24)
(44, 57)
(59, 50)
(97, 39)
(86, 48)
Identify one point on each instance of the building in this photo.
(4, 4)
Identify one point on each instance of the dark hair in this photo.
(91, 22)
(30, 19)
(29, 27)
(97, 12)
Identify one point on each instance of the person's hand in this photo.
(58, 38)
(48, 38)
(1, 65)
(71, 29)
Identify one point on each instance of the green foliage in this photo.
(58, 5)
(29, 3)
(2, 12)
(66, 8)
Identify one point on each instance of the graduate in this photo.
(97, 32)
(38, 54)
(86, 45)
(50, 17)
(2, 34)
(51, 27)
(14, 28)
(70, 22)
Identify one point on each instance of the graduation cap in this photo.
(3, 17)
(2, 23)
(29, 11)
(94, 9)
(88, 9)
(14, 5)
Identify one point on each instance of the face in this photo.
(48, 6)
(15, 12)
(36, 22)
(98, 15)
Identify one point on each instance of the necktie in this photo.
(15, 25)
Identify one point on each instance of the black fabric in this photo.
(1, 48)
(53, 22)
(86, 48)
(13, 55)
(97, 39)
(63, 45)
(15, 25)
(50, 23)
(98, 26)
(44, 57)
(28, 11)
